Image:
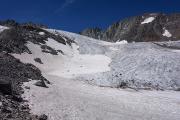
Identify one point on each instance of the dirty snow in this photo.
(167, 33)
(148, 20)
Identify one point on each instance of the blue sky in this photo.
(75, 15)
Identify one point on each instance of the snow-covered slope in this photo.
(70, 64)
(138, 65)
(135, 65)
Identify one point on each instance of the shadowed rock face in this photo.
(133, 29)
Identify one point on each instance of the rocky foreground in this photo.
(13, 73)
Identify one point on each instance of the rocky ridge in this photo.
(144, 28)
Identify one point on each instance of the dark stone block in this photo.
(5, 86)
(38, 60)
(43, 117)
(41, 84)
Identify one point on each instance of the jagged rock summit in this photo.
(144, 28)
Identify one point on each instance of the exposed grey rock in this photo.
(38, 60)
(60, 51)
(41, 83)
(14, 39)
(9, 23)
(13, 110)
(12, 42)
(96, 33)
(48, 49)
(5, 86)
(13, 72)
(26, 87)
(132, 30)
(43, 117)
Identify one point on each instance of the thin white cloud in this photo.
(67, 3)
(64, 5)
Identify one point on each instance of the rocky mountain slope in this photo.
(13, 73)
(53, 74)
(144, 28)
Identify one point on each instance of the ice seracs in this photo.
(167, 33)
(148, 20)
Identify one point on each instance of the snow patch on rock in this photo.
(2, 28)
(167, 33)
(148, 20)
(41, 33)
